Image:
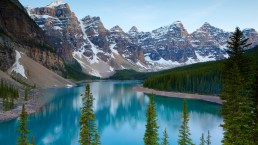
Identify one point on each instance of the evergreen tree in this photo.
(165, 138)
(202, 140)
(151, 132)
(238, 107)
(8, 93)
(88, 132)
(26, 94)
(237, 44)
(184, 131)
(22, 129)
(236, 111)
(208, 138)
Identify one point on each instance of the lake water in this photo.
(120, 113)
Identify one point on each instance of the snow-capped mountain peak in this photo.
(56, 3)
(208, 28)
(206, 24)
(134, 29)
(116, 29)
(174, 31)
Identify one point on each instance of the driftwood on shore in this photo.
(209, 98)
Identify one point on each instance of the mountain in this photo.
(13, 17)
(22, 42)
(87, 41)
(252, 35)
(100, 51)
(201, 78)
(209, 42)
(61, 26)
(172, 45)
(165, 47)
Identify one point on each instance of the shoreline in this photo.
(33, 105)
(208, 98)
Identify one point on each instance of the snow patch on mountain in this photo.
(161, 64)
(17, 67)
(95, 59)
(141, 65)
(82, 60)
(190, 61)
(205, 58)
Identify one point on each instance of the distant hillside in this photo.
(202, 78)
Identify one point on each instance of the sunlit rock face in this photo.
(98, 50)
(62, 27)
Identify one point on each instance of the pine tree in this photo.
(202, 140)
(88, 132)
(26, 94)
(22, 129)
(208, 138)
(237, 109)
(151, 132)
(184, 131)
(237, 44)
(165, 138)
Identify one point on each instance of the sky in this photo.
(148, 15)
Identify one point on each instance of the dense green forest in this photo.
(202, 78)
(129, 74)
(8, 94)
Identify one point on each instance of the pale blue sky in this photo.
(147, 15)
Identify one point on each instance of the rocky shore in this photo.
(32, 106)
(209, 98)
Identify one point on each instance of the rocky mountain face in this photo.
(19, 32)
(101, 51)
(96, 48)
(210, 42)
(172, 45)
(165, 47)
(61, 26)
(252, 35)
(115, 37)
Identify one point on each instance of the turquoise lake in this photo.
(120, 113)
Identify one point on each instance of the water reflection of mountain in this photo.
(119, 111)
(122, 105)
